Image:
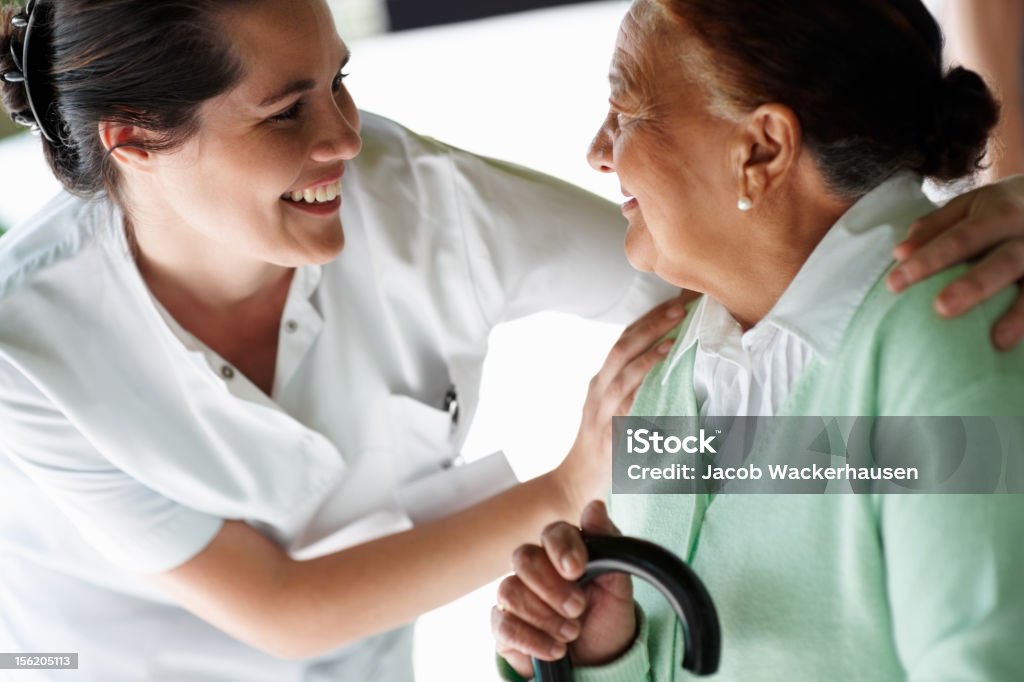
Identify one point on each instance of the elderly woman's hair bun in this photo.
(864, 77)
(964, 112)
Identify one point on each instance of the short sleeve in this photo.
(127, 522)
(536, 243)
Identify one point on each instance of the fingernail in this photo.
(898, 279)
(674, 312)
(568, 563)
(573, 606)
(570, 630)
(951, 299)
(1006, 335)
(664, 347)
(557, 651)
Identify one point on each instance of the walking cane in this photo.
(674, 579)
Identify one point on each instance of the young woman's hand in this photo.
(586, 471)
(542, 612)
(986, 223)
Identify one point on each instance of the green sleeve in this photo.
(632, 666)
(954, 564)
(953, 576)
(506, 671)
(931, 366)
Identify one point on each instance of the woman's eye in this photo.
(296, 109)
(291, 113)
(336, 85)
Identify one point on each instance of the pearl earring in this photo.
(744, 204)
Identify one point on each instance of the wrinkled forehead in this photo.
(646, 13)
(652, 43)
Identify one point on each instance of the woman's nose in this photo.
(599, 155)
(341, 139)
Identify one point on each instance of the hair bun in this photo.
(963, 112)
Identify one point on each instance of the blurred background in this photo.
(522, 80)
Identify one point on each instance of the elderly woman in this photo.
(772, 156)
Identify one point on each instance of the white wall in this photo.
(530, 88)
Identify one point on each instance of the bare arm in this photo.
(988, 36)
(247, 586)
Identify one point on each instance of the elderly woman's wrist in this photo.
(632, 663)
(613, 652)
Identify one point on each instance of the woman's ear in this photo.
(126, 144)
(766, 151)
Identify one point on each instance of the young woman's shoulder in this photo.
(61, 231)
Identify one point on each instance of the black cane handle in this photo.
(675, 580)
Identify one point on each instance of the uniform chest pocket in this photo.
(422, 438)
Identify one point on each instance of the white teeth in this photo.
(317, 195)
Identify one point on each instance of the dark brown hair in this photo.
(137, 62)
(864, 77)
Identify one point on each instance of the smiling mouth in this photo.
(322, 194)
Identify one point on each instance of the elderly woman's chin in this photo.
(640, 250)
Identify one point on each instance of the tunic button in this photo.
(227, 372)
(291, 325)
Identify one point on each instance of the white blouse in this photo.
(737, 373)
(127, 442)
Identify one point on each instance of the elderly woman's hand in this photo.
(541, 611)
(986, 223)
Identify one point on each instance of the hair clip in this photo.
(39, 94)
(22, 120)
(16, 49)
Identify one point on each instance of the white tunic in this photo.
(127, 442)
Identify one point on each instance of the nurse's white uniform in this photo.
(126, 442)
